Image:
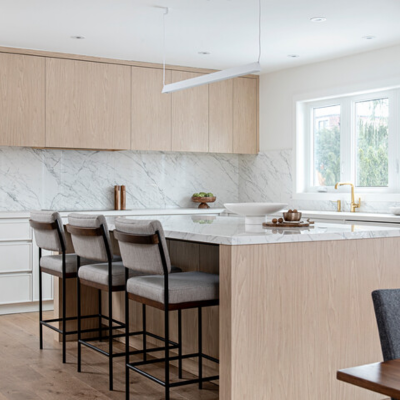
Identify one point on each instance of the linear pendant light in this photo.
(215, 76)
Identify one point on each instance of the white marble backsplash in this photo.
(84, 180)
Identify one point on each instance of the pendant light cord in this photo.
(259, 30)
(164, 49)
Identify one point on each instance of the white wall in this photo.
(375, 69)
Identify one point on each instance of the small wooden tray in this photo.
(285, 225)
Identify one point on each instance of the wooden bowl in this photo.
(203, 201)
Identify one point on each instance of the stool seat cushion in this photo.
(184, 287)
(54, 263)
(98, 273)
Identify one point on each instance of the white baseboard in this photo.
(25, 307)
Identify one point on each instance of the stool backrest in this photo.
(143, 246)
(49, 231)
(90, 236)
(387, 311)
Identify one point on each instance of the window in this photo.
(353, 139)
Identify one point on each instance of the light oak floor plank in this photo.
(27, 373)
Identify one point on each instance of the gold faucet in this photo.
(353, 204)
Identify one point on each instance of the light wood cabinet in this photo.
(221, 117)
(88, 105)
(151, 110)
(189, 116)
(22, 100)
(245, 116)
(73, 102)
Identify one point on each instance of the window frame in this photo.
(304, 145)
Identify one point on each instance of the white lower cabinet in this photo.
(15, 288)
(19, 269)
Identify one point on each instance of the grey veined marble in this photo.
(84, 180)
(234, 231)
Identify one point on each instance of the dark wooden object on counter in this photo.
(123, 197)
(117, 197)
(381, 377)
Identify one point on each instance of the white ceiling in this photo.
(228, 29)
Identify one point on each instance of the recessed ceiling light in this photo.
(204, 53)
(77, 37)
(369, 37)
(318, 19)
(293, 55)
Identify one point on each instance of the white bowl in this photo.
(254, 209)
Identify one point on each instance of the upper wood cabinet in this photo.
(189, 116)
(88, 105)
(75, 102)
(22, 100)
(221, 117)
(245, 116)
(151, 110)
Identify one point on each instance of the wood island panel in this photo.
(293, 314)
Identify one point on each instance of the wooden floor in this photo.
(27, 373)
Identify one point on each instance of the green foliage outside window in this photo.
(372, 151)
(327, 156)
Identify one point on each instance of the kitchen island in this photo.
(295, 304)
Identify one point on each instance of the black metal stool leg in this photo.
(166, 322)
(64, 309)
(40, 304)
(110, 339)
(127, 393)
(144, 332)
(100, 319)
(200, 350)
(180, 342)
(79, 326)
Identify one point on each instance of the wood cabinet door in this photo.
(189, 116)
(221, 117)
(245, 115)
(151, 110)
(88, 105)
(22, 100)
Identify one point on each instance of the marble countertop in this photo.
(133, 212)
(230, 230)
(349, 216)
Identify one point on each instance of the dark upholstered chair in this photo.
(143, 248)
(387, 311)
(49, 235)
(91, 239)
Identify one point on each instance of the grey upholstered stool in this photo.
(49, 235)
(91, 239)
(387, 311)
(144, 248)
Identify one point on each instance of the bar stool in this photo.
(49, 235)
(144, 248)
(91, 239)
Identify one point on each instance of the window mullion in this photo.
(347, 145)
